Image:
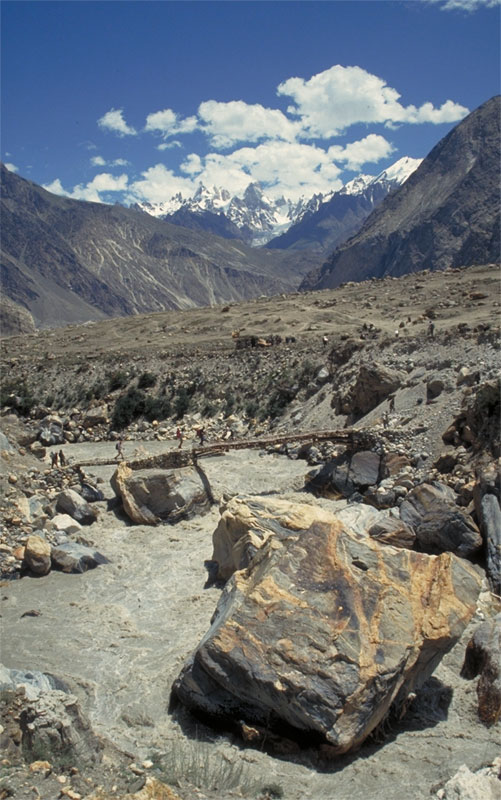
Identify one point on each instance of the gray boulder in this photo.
(373, 385)
(151, 495)
(344, 475)
(75, 557)
(91, 493)
(439, 524)
(393, 531)
(51, 431)
(72, 503)
(324, 633)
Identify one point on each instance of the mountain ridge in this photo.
(445, 214)
(69, 261)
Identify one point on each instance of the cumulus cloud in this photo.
(102, 183)
(158, 184)
(114, 121)
(168, 123)
(330, 102)
(368, 150)
(98, 161)
(283, 168)
(465, 5)
(236, 121)
(11, 167)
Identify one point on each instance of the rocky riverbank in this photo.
(306, 550)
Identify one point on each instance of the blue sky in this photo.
(138, 100)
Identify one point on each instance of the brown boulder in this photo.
(323, 634)
(37, 555)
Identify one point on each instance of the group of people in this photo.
(180, 437)
(57, 459)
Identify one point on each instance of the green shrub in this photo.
(181, 403)
(127, 408)
(156, 408)
(209, 409)
(146, 380)
(117, 380)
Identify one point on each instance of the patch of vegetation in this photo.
(157, 408)
(128, 407)
(196, 765)
(181, 403)
(209, 409)
(117, 380)
(272, 791)
(17, 396)
(146, 380)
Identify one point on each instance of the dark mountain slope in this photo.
(333, 223)
(218, 224)
(446, 214)
(69, 261)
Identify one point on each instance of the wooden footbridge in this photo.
(353, 438)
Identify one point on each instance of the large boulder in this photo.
(95, 416)
(483, 657)
(70, 502)
(439, 524)
(152, 495)
(324, 633)
(373, 385)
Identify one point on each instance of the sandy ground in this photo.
(118, 635)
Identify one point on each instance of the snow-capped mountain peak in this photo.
(399, 171)
(262, 218)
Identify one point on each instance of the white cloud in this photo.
(169, 145)
(465, 5)
(114, 121)
(236, 121)
(11, 167)
(368, 150)
(98, 161)
(102, 183)
(339, 97)
(159, 184)
(284, 168)
(55, 187)
(168, 123)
